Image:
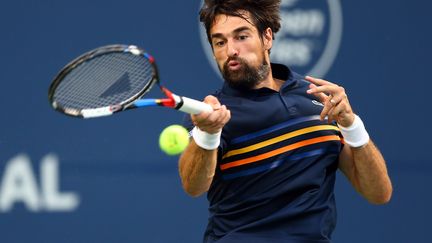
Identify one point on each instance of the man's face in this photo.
(240, 53)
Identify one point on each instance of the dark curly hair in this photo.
(264, 13)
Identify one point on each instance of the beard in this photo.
(247, 76)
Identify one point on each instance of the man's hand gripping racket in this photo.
(110, 79)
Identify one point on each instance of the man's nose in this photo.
(232, 49)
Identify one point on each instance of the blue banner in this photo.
(64, 179)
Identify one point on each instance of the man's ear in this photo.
(268, 38)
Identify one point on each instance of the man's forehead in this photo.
(224, 24)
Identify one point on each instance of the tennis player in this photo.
(268, 154)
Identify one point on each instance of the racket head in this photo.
(103, 81)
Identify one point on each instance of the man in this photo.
(268, 153)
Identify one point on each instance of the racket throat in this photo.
(173, 101)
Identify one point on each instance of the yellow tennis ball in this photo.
(174, 139)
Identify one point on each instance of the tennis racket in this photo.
(111, 79)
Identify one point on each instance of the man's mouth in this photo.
(234, 65)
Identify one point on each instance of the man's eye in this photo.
(219, 43)
(243, 37)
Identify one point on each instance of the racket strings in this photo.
(105, 80)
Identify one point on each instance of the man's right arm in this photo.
(197, 164)
(197, 167)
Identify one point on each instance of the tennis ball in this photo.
(174, 139)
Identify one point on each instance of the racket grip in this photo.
(192, 106)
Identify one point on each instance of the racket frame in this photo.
(172, 100)
(108, 110)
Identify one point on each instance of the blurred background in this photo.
(105, 180)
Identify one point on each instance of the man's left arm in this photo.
(360, 160)
(366, 169)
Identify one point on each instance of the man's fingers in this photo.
(214, 121)
(327, 89)
(325, 111)
(338, 98)
(213, 101)
(202, 117)
(317, 81)
(334, 98)
(220, 115)
(321, 96)
(331, 92)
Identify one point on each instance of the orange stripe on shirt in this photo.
(280, 151)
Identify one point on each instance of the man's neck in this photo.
(271, 83)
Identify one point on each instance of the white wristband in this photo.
(206, 140)
(356, 134)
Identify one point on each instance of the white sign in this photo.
(19, 185)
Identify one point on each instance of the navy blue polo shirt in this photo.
(276, 167)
